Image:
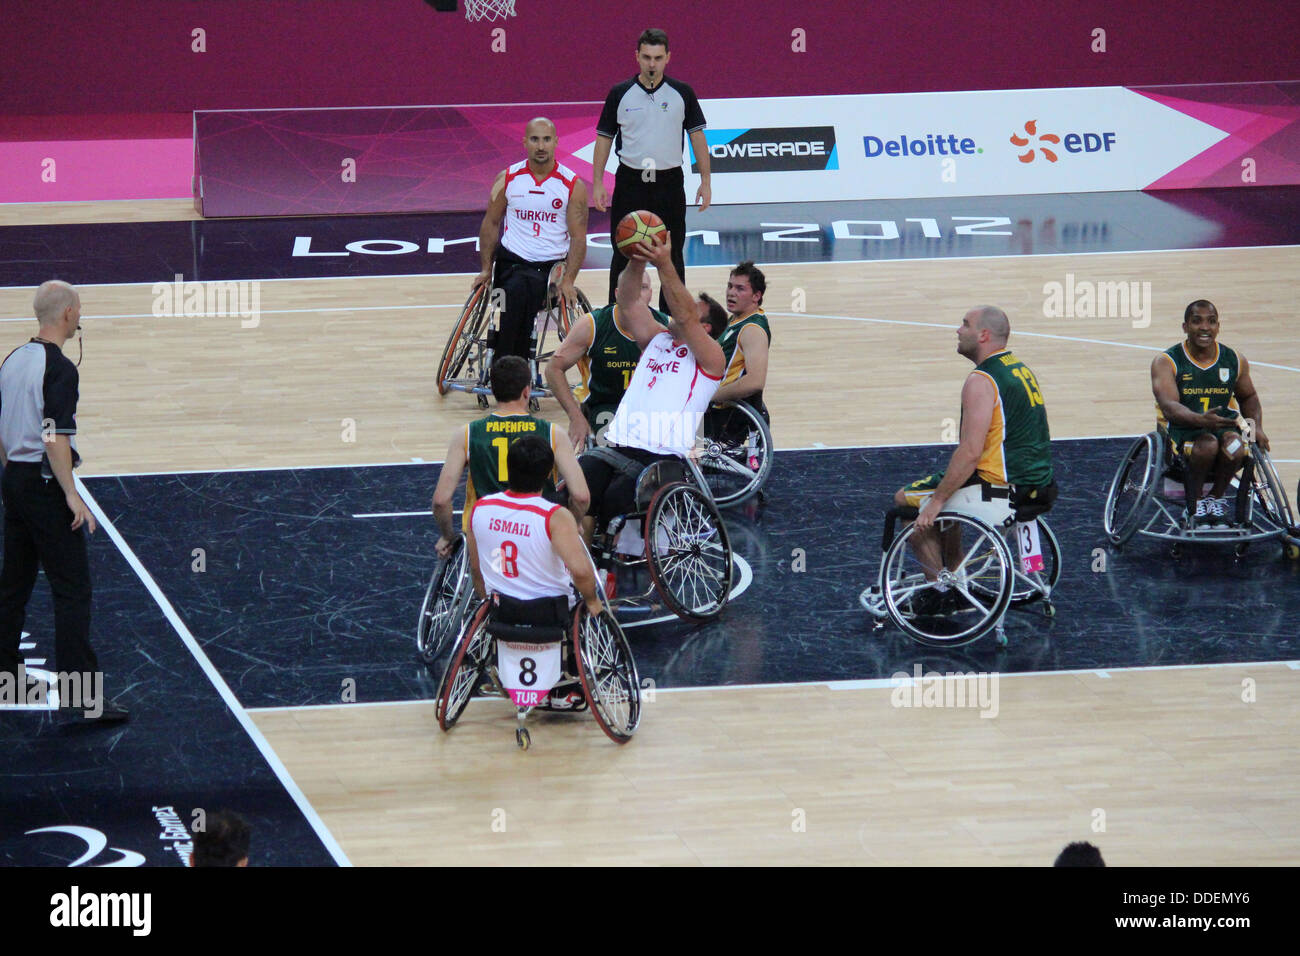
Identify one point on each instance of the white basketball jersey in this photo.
(665, 401)
(536, 226)
(513, 535)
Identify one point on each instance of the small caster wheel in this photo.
(523, 738)
(534, 406)
(1049, 609)
(1176, 551)
(1293, 551)
(1001, 638)
(482, 401)
(1241, 549)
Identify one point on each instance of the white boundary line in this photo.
(268, 754)
(876, 683)
(431, 461)
(701, 265)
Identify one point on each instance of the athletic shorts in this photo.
(977, 498)
(1183, 439)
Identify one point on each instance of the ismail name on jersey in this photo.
(509, 527)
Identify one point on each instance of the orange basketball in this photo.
(639, 226)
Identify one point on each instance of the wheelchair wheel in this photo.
(737, 453)
(470, 659)
(445, 602)
(1270, 494)
(688, 551)
(558, 313)
(1030, 586)
(978, 592)
(466, 334)
(1132, 488)
(608, 673)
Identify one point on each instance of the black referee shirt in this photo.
(38, 384)
(650, 124)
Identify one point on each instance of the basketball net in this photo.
(489, 9)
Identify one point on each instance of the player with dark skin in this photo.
(1220, 446)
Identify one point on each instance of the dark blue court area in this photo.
(316, 247)
(300, 596)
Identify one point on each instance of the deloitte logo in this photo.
(933, 144)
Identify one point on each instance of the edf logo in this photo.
(1088, 142)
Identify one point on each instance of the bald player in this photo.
(539, 210)
(1003, 454)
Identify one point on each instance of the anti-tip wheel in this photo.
(1049, 609)
(534, 406)
(482, 401)
(523, 738)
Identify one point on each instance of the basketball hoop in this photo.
(489, 9)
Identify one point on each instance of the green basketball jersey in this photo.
(1018, 448)
(730, 342)
(611, 358)
(1202, 388)
(487, 443)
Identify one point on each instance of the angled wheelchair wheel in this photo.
(470, 659)
(1270, 494)
(736, 453)
(688, 551)
(608, 673)
(557, 316)
(1132, 488)
(468, 336)
(1031, 586)
(977, 593)
(445, 602)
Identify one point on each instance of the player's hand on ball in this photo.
(657, 250)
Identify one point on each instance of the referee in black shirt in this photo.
(46, 521)
(644, 118)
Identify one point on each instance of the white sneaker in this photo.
(1217, 509)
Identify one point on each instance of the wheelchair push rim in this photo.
(464, 336)
(980, 590)
(688, 552)
(443, 609)
(608, 673)
(1142, 460)
(724, 461)
(469, 662)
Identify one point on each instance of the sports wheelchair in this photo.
(734, 453)
(471, 347)
(675, 532)
(530, 664)
(1000, 568)
(1147, 496)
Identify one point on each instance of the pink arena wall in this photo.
(134, 56)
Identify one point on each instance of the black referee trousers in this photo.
(37, 528)
(665, 196)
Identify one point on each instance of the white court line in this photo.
(1017, 332)
(278, 768)
(875, 683)
(694, 265)
(179, 318)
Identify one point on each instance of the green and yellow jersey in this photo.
(611, 359)
(1203, 387)
(735, 355)
(1017, 449)
(487, 441)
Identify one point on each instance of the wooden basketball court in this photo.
(1155, 766)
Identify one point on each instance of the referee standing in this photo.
(45, 520)
(644, 118)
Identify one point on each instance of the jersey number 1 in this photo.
(502, 445)
(1031, 385)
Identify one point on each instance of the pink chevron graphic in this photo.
(1267, 132)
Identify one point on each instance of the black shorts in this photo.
(613, 492)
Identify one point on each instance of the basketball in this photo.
(636, 227)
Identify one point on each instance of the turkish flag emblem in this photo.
(557, 203)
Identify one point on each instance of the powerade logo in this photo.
(932, 144)
(770, 150)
